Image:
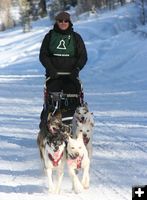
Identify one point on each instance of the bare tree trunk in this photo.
(25, 13)
(43, 11)
(84, 5)
(5, 15)
(122, 2)
(143, 12)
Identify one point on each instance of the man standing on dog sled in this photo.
(63, 55)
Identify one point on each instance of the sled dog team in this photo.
(62, 144)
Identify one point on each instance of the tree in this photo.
(25, 13)
(143, 12)
(122, 2)
(142, 4)
(42, 6)
(5, 14)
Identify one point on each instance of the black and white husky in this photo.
(51, 143)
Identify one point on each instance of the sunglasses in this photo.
(61, 21)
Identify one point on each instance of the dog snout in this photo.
(56, 148)
(82, 118)
(76, 154)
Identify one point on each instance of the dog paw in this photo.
(78, 189)
(57, 191)
(85, 184)
(51, 190)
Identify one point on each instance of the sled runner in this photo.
(65, 100)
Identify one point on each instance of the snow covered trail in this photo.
(114, 83)
(119, 156)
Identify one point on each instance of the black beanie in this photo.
(63, 16)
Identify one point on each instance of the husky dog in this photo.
(86, 130)
(51, 144)
(77, 158)
(83, 122)
(80, 113)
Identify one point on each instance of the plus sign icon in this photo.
(139, 192)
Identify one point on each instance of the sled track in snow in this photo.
(122, 138)
(107, 140)
(103, 179)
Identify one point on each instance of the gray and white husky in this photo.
(83, 122)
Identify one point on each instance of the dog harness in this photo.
(77, 160)
(54, 161)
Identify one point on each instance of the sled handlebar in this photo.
(63, 73)
(60, 74)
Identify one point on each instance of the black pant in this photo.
(65, 84)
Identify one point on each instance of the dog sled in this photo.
(65, 101)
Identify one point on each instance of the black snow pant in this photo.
(65, 84)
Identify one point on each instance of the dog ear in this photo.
(69, 138)
(66, 136)
(49, 116)
(85, 105)
(58, 115)
(92, 124)
(80, 136)
(78, 123)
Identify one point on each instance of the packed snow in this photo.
(115, 88)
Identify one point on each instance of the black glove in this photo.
(53, 74)
(74, 73)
